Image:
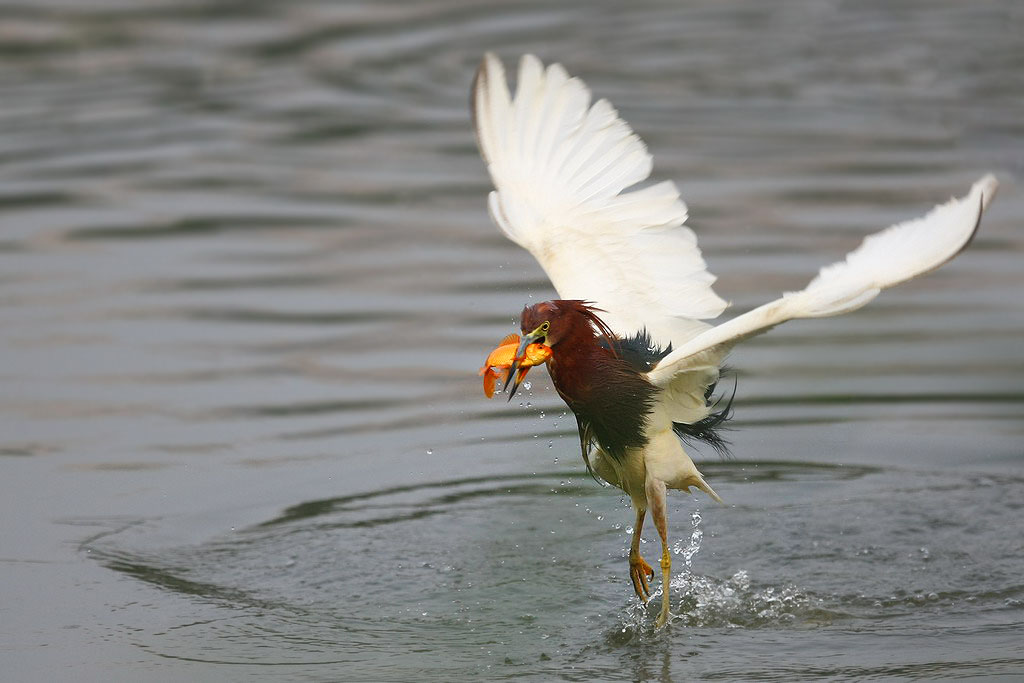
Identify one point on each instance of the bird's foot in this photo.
(640, 572)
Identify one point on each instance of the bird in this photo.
(632, 352)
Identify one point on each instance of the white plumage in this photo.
(883, 259)
(563, 170)
(561, 167)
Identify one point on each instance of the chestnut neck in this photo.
(576, 356)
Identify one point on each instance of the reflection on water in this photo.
(247, 276)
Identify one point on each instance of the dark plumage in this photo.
(600, 377)
(642, 353)
(709, 430)
(609, 397)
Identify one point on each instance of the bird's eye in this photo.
(545, 327)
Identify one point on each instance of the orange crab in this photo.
(502, 358)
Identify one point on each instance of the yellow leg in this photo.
(657, 501)
(666, 575)
(639, 570)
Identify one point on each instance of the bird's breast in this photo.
(608, 395)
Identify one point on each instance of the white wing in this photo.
(884, 259)
(561, 167)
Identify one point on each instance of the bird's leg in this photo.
(657, 500)
(639, 570)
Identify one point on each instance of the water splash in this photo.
(692, 546)
(705, 601)
(734, 602)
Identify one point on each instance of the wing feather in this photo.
(561, 168)
(884, 259)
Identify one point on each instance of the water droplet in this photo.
(430, 451)
(693, 546)
(542, 414)
(551, 444)
(528, 404)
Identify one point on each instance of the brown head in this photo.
(562, 324)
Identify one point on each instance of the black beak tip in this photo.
(512, 389)
(509, 383)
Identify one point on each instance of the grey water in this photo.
(247, 278)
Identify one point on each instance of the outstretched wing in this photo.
(562, 166)
(884, 259)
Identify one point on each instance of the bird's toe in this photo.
(640, 572)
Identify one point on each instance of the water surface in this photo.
(247, 276)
